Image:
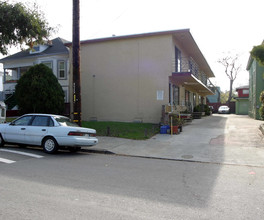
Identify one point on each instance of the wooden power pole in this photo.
(76, 63)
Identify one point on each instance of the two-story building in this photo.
(256, 86)
(242, 100)
(54, 54)
(130, 78)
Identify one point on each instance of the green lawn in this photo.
(137, 131)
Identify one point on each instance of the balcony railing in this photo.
(190, 66)
(187, 107)
(11, 81)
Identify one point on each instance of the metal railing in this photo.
(190, 66)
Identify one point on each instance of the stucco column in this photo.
(171, 95)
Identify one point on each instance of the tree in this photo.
(20, 25)
(258, 53)
(231, 70)
(225, 95)
(38, 91)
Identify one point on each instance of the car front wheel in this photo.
(50, 145)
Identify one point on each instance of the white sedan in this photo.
(223, 109)
(49, 131)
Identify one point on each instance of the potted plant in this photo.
(177, 122)
(197, 112)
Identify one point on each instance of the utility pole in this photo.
(76, 63)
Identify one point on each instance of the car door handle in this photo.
(43, 129)
(23, 128)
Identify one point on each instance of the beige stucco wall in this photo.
(120, 78)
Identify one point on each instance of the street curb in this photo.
(99, 151)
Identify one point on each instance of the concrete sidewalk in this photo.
(223, 139)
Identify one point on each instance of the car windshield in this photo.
(63, 121)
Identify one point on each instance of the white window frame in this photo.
(58, 69)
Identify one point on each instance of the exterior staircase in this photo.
(10, 101)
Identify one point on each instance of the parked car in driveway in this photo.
(223, 109)
(49, 131)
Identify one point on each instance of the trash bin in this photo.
(163, 129)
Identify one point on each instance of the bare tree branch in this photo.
(232, 69)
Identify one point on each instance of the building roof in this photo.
(183, 36)
(249, 63)
(242, 87)
(57, 47)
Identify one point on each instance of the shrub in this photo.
(38, 91)
(261, 97)
(207, 110)
(261, 111)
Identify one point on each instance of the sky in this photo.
(219, 27)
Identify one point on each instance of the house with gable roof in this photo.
(54, 54)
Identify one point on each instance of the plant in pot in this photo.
(178, 121)
(197, 112)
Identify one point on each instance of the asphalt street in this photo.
(95, 186)
(217, 173)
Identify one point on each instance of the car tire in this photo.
(50, 145)
(74, 149)
(2, 142)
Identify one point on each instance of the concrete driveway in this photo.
(223, 139)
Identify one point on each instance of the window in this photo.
(245, 91)
(22, 121)
(61, 70)
(177, 60)
(36, 48)
(42, 121)
(64, 121)
(48, 63)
